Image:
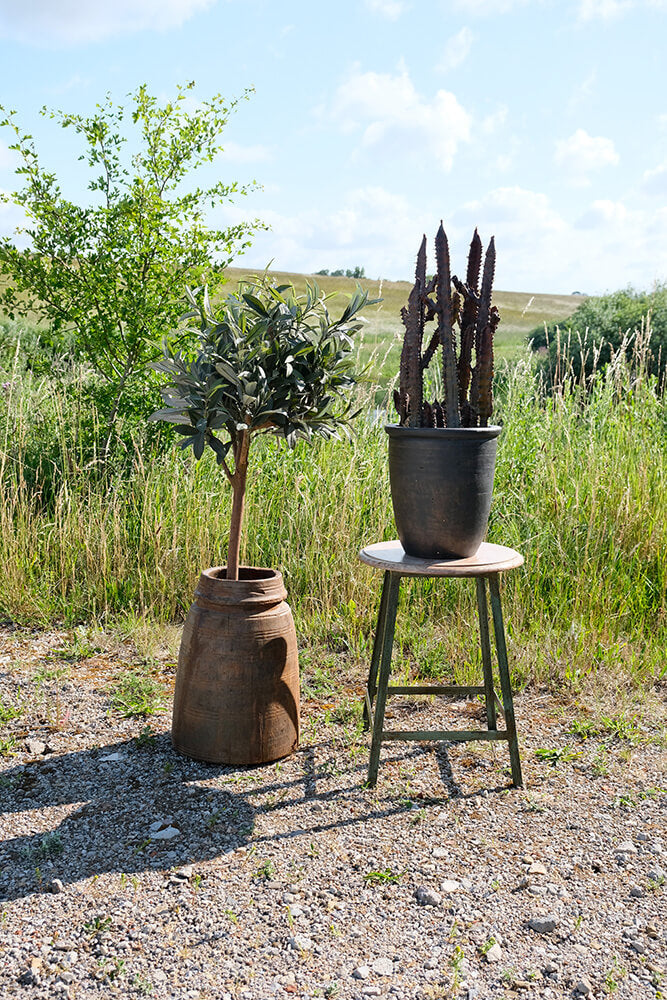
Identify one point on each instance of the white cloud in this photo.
(602, 214)
(389, 111)
(391, 9)
(655, 181)
(609, 246)
(582, 153)
(604, 9)
(372, 228)
(456, 51)
(77, 21)
(495, 120)
(583, 91)
(235, 152)
(482, 7)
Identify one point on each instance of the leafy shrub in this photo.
(600, 326)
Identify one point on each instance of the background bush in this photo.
(599, 327)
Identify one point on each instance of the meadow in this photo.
(581, 491)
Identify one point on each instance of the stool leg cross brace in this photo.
(378, 688)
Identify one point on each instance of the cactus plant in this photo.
(467, 386)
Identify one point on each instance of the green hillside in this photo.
(520, 313)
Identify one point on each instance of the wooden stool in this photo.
(487, 564)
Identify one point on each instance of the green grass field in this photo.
(581, 491)
(520, 313)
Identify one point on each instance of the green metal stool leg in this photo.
(377, 649)
(489, 694)
(505, 683)
(383, 680)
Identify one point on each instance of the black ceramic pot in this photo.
(441, 487)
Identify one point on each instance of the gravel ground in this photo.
(127, 869)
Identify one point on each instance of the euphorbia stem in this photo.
(238, 501)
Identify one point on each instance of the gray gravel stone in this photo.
(383, 967)
(427, 897)
(361, 972)
(544, 925)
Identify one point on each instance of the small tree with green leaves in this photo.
(114, 271)
(271, 362)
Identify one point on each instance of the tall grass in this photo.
(581, 491)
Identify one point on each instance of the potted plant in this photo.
(442, 454)
(269, 362)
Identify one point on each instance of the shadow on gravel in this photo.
(122, 802)
(129, 798)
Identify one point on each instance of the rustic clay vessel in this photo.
(237, 688)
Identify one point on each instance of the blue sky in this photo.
(543, 122)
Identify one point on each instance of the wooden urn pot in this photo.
(236, 699)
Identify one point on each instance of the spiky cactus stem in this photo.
(480, 394)
(446, 329)
(467, 389)
(411, 381)
(470, 293)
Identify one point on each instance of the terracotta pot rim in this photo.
(396, 430)
(247, 574)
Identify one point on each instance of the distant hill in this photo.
(520, 312)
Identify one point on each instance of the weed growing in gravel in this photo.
(136, 693)
(556, 755)
(382, 876)
(620, 727)
(49, 846)
(80, 647)
(11, 709)
(7, 747)
(532, 804)
(97, 924)
(146, 739)
(44, 674)
(456, 965)
(614, 976)
(600, 763)
(142, 985)
(266, 870)
(487, 946)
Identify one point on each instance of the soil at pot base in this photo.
(236, 699)
(441, 488)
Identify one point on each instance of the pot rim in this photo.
(247, 574)
(396, 430)
(255, 586)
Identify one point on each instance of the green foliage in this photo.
(112, 273)
(599, 327)
(382, 876)
(10, 709)
(273, 362)
(135, 693)
(350, 272)
(557, 755)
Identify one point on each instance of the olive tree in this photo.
(113, 271)
(270, 362)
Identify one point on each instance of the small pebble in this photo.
(544, 925)
(361, 972)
